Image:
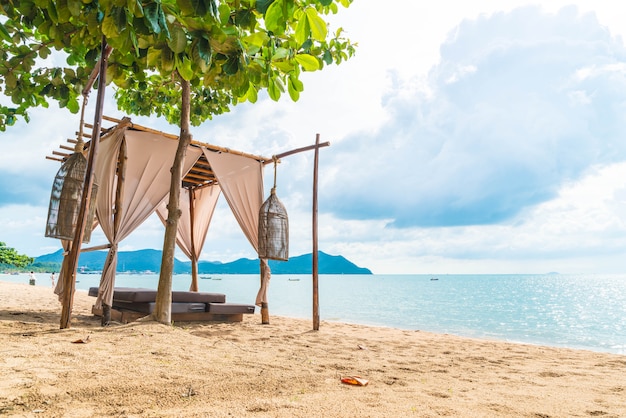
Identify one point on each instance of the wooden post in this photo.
(194, 260)
(117, 218)
(316, 303)
(265, 310)
(70, 274)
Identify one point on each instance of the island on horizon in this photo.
(149, 261)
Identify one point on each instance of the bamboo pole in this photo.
(70, 276)
(316, 302)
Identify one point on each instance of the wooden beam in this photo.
(297, 150)
(198, 177)
(95, 248)
(214, 148)
(84, 134)
(203, 170)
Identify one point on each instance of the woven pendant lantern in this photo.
(273, 227)
(65, 200)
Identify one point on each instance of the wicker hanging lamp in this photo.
(66, 196)
(273, 227)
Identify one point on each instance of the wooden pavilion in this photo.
(133, 177)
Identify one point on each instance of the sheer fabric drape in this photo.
(146, 182)
(241, 181)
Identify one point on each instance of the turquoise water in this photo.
(575, 311)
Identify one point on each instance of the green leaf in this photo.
(153, 57)
(224, 13)
(317, 24)
(204, 49)
(257, 38)
(284, 66)
(232, 65)
(274, 18)
(178, 39)
(4, 34)
(252, 94)
(308, 62)
(303, 29)
(52, 12)
(192, 7)
(10, 80)
(295, 81)
(273, 90)
(167, 60)
(294, 93)
(245, 18)
(262, 5)
(184, 68)
(73, 105)
(152, 13)
(109, 28)
(44, 52)
(280, 53)
(119, 16)
(63, 11)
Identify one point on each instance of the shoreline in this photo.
(559, 339)
(282, 370)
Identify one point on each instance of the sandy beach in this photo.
(284, 369)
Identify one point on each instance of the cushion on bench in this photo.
(148, 307)
(132, 294)
(230, 308)
(203, 297)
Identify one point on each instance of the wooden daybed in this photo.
(130, 304)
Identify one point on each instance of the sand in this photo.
(146, 369)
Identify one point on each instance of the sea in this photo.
(574, 311)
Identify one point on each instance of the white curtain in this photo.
(146, 182)
(241, 181)
(59, 289)
(191, 233)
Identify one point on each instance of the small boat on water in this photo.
(206, 277)
(434, 278)
(294, 280)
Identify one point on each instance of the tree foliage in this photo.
(228, 50)
(11, 257)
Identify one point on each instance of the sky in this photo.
(466, 137)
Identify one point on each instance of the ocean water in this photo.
(575, 311)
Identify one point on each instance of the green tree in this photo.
(11, 257)
(184, 60)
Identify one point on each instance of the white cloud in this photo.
(516, 165)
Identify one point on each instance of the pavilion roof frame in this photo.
(200, 175)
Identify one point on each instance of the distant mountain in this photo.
(150, 260)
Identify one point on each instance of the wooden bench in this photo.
(130, 304)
